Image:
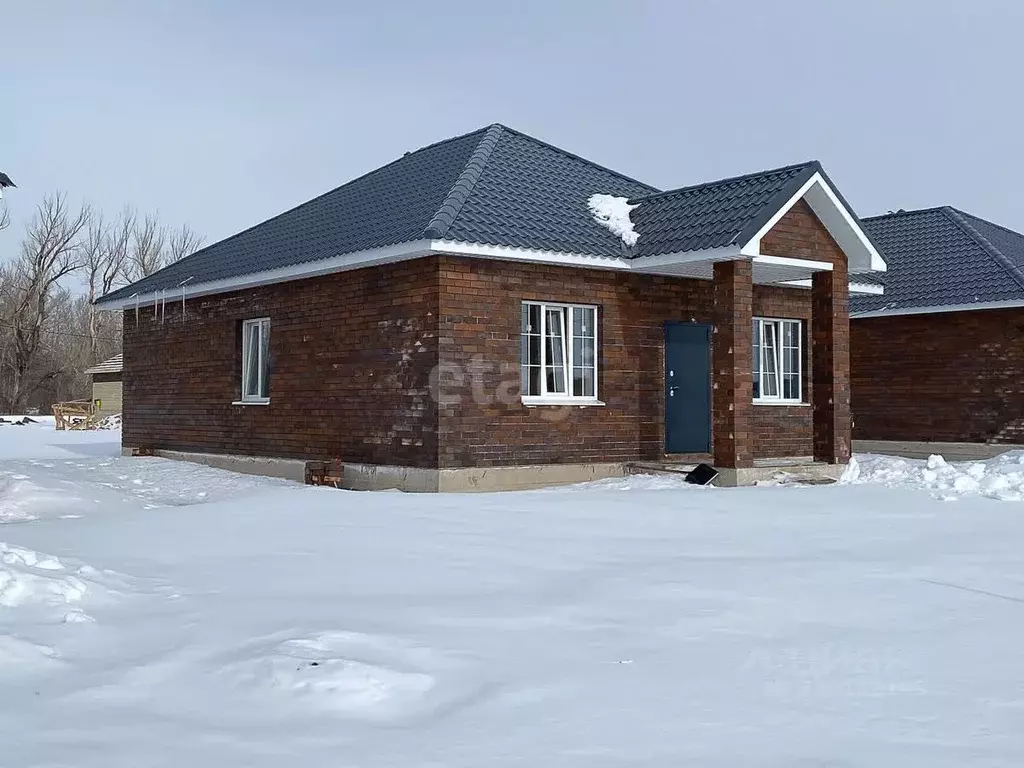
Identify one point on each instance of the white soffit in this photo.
(838, 220)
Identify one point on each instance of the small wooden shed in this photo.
(106, 386)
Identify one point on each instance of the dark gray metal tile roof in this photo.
(940, 257)
(715, 214)
(494, 186)
(534, 195)
(393, 204)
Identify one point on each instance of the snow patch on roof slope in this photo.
(613, 212)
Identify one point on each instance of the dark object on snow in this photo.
(702, 474)
(5, 181)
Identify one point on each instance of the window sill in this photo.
(581, 402)
(783, 403)
(251, 402)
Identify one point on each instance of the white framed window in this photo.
(559, 353)
(778, 360)
(256, 360)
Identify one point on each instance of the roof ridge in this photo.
(728, 179)
(574, 156)
(904, 212)
(463, 186)
(987, 221)
(957, 217)
(313, 200)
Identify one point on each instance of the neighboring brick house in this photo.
(460, 319)
(939, 357)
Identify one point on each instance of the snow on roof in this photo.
(113, 365)
(613, 212)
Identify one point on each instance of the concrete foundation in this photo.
(371, 477)
(288, 469)
(377, 477)
(910, 449)
(816, 471)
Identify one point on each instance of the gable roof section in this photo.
(716, 214)
(942, 259)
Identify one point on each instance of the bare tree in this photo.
(49, 334)
(148, 243)
(51, 250)
(105, 253)
(182, 242)
(5, 216)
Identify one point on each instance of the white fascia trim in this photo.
(640, 264)
(727, 253)
(417, 248)
(816, 183)
(458, 248)
(786, 261)
(367, 258)
(866, 288)
(1011, 304)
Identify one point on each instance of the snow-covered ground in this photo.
(155, 613)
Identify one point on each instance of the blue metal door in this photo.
(687, 388)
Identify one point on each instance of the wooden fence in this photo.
(77, 414)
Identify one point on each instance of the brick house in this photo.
(462, 319)
(939, 357)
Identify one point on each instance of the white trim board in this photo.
(786, 261)
(343, 263)
(863, 288)
(981, 305)
(836, 218)
(418, 248)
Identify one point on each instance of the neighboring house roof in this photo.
(942, 259)
(5, 181)
(494, 187)
(113, 365)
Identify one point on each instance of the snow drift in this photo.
(1001, 477)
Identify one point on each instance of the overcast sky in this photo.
(221, 114)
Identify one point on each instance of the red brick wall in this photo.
(733, 366)
(800, 234)
(785, 430)
(956, 376)
(352, 355)
(480, 321)
(361, 358)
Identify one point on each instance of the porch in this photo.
(800, 469)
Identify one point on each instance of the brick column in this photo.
(732, 402)
(830, 351)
